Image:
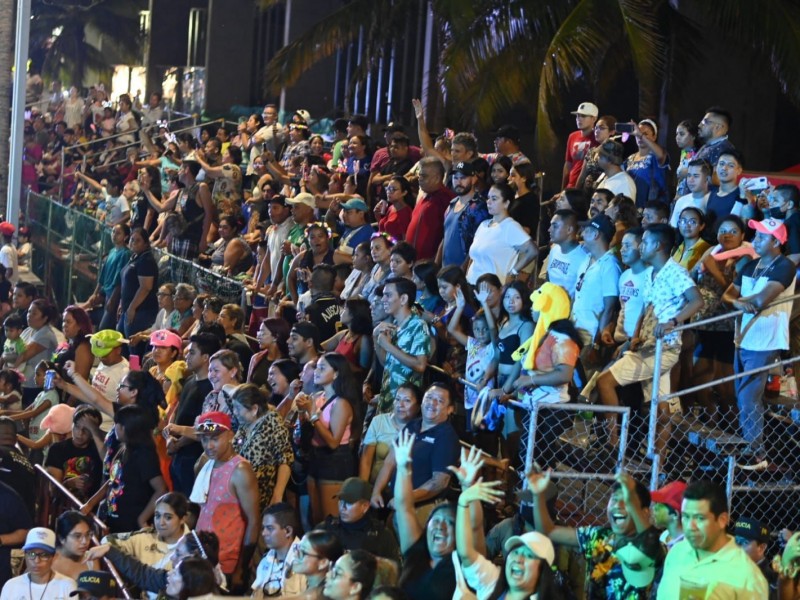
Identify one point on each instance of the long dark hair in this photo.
(198, 578)
(67, 521)
(345, 385)
(280, 329)
(137, 423)
(524, 293)
(567, 327)
(150, 394)
(360, 316)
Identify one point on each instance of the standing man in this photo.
(671, 297)
(274, 576)
(402, 345)
(697, 179)
(270, 136)
(579, 143)
(8, 253)
(764, 330)
(458, 221)
(708, 563)
(566, 252)
(227, 490)
(714, 130)
(597, 289)
(426, 229)
(609, 158)
(182, 445)
(304, 340)
(40, 578)
(723, 200)
(15, 520)
(506, 143)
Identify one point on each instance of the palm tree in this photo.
(497, 55)
(59, 35)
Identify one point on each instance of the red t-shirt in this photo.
(426, 229)
(577, 147)
(396, 223)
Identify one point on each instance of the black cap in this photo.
(508, 131)
(96, 583)
(601, 223)
(393, 127)
(278, 199)
(614, 151)
(359, 120)
(465, 168)
(751, 529)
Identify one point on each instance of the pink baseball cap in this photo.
(165, 338)
(770, 226)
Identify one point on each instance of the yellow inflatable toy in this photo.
(551, 301)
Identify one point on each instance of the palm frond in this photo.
(641, 22)
(574, 51)
(771, 28)
(334, 32)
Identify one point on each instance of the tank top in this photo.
(325, 418)
(192, 213)
(348, 349)
(507, 345)
(223, 515)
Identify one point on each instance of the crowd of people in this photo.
(347, 431)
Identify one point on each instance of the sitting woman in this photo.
(316, 554)
(351, 577)
(428, 570)
(526, 573)
(73, 538)
(156, 545)
(231, 254)
(192, 546)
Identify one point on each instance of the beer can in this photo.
(49, 379)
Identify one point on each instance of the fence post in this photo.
(652, 433)
(533, 415)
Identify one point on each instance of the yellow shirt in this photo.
(689, 259)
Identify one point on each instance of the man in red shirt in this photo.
(426, 229)
(579, 143)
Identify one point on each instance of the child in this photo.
(13, 346)
(11, 389)
(38, 410)
(481, 353)
(56, 427)
(5, 294)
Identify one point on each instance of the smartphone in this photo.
(624, 128)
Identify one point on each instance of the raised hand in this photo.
(483, 293)
(461, 301)
(482, 491)
(538, 481)
(418, 110)
(469, 469)
(403, 446)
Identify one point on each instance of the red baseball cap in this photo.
(212, 422)
(671, 495)
(774, 227)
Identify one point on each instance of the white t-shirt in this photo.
(683, 202)
(116, 207)
(562, 268)
(492, 249)
(632, 288)
(58, 588)
(8, 258)
(105, 380)
(596, 280)
(621, 183)
(273, 576)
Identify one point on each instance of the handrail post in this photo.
(533, 415)
(61, 174)
(652, 433)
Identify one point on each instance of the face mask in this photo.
(776, 213)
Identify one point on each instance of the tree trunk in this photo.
(7, 22)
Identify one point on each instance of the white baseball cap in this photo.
(40, 538)
(588, 109)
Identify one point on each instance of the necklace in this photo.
(30, 586)
(759, 270)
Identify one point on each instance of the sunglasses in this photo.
(210, 427)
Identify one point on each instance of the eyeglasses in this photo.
(390, 189)
(37, 556)
(690, 222)
(124, 385)
(706, 121)
(80, 536)
(301, 554)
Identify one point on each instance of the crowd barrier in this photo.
(68, 246)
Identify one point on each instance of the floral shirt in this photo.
(603, 573)
(663, 300)
(412, 338)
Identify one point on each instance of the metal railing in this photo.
(69, 271)
(47, 483)
(656, 398)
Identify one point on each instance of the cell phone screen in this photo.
(624, 128)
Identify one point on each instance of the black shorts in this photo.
(332, 465)
(715, 345)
